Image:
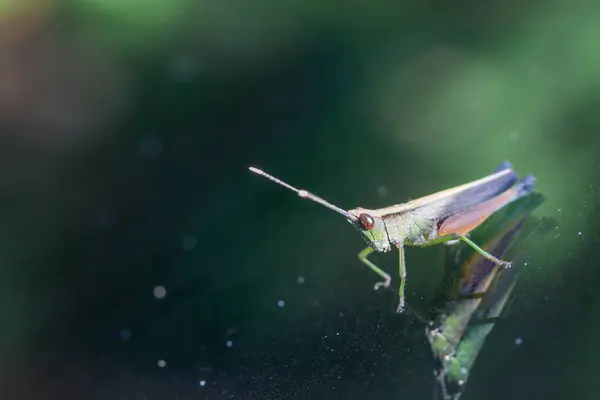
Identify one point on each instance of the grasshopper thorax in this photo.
(372, 228)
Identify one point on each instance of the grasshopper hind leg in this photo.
(484, 253)
(363, 257)
(452, 242)
(457, 250)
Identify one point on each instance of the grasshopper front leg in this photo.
(363, 256)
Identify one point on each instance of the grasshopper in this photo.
(443, 217)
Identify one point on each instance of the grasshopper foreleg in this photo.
(362, 256)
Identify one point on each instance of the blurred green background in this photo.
(126, 130)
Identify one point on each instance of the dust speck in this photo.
(518, 341)
(125, 334)
(189, 243)
(159, 292)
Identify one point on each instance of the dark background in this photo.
(126, 131)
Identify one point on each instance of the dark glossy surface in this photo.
(140, 259)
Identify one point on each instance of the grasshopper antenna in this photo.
(303, 193)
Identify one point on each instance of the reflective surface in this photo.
(141, 260)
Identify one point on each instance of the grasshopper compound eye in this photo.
(366, 221)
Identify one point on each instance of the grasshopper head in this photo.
(371, 227)
(450, 373)
(451, 377)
